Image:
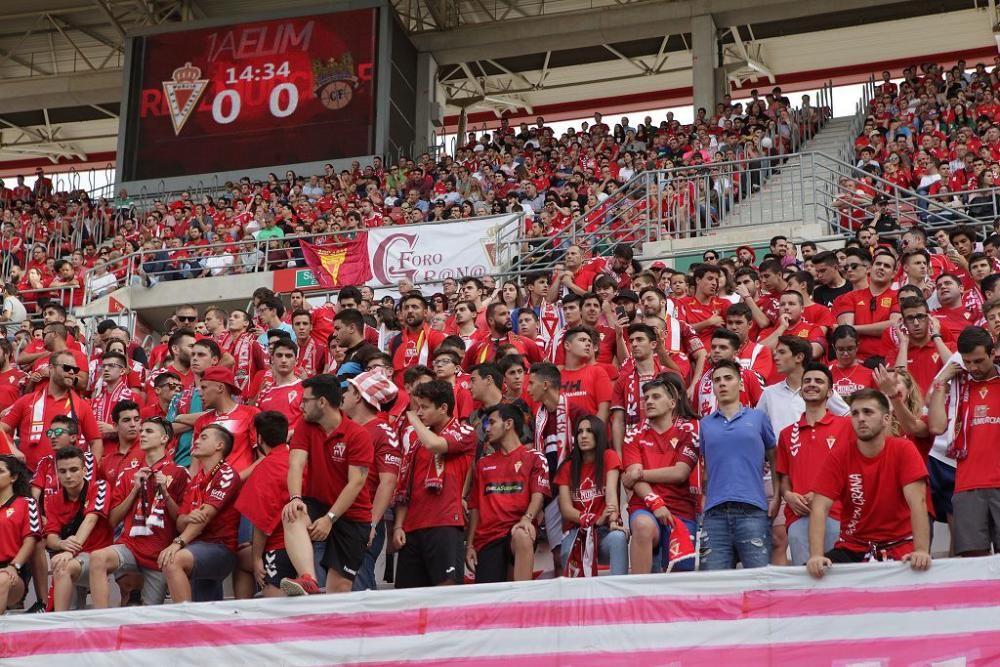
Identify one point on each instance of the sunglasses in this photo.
(187, 318)
(67, 368)
(56, 432)
(853, 267)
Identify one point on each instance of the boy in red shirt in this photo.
(76, 523)
(261, 499)
(803, 447)
(658, 459)
(508, 489)
(585, 384)
(204, 553)
(146, 500)
(881, 482)
(438, 452)
(705, 311)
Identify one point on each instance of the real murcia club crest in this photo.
(183, 93)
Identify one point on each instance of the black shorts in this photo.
(431, 556)
(846, 556)
(277, 566)
(493, 561)
(24, 573)
(345, 545)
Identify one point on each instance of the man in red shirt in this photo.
(261, 500)
(509, 486)
(312, 353)
(881, 482)
(242, 344)
(204, 553)
(790, 323)
(965, 400)
(122, 452)
(920, 345)
(773, 284)
(803, 447)
(146, 499)
(179, 344)
(873, 309)
(724, 346)
(485, 349)
(32, 414)
(627, 407)
(658, 459)
(112, 389)
(416, 343)
(751, 354)
(366, 397)
(55, 339)
(76, 523)
(705, 311)
(218, 389)
(283, 390)
(12, 378)
(438, 452)
(338, 510)
(584, 383)
(951, 312)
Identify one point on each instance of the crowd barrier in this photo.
(868, 615)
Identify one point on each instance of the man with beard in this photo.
(679, 339)
(416, 343)
(485, 349)
(881, 482)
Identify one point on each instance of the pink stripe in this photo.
(982, 648)
(576, 612)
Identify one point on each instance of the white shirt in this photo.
(784, 405)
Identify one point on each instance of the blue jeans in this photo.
(735, 532)
(798, 538)
(612, 547)
(365, 579)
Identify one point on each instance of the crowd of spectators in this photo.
(559, 181)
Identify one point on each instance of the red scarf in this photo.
(106, 399)
(681, 547)
(564, 438)
(241, 353)
(151, 506)
(412, 350)
(433, 481)
(633, 389)
(307, 357)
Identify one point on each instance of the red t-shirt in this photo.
(846, 381)
(22, 418)
(485, 349)
(265, 494)
(11, 383)
(41, 366)
(239, 422)
(144, 544)
(216, 488)
(802, 451)
(695, 312)
(590, 496)
(187, 379)
(330, 457)
(115, 461)
(286, 399)
(923, 362)
(955, 320)
(654, 450)
(19, 520)
(502, 487)
(756, 357)
(60, 512)
(820, 315)
(979, 470)
(429, 509)
(586, 387)
(46, 478)
(871, 490)
(868, 309)
(388, 455)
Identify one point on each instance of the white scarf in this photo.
(562, 442)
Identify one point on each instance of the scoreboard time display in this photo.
(250, 95)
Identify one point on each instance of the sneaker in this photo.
(37, 608)
(304, 585)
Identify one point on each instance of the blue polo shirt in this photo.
(734, 457)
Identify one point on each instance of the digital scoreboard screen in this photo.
(250, 95)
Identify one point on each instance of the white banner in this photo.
(431, 253)
(866, 615)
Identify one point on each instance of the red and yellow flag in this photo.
(339, 264)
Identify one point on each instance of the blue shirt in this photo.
(734, 457)
(284, 326)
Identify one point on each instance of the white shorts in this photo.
(554, 524)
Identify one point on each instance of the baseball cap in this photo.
(627, 295)
(658, 265)
(223, 375)
(375, 388)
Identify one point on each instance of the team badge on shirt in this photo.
(831, 441)
(517, 466)
(983, 392)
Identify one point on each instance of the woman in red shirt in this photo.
(588, 494)
(20, 528)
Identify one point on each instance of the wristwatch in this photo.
(937, 335)
(180, 542)
(331, 516)
(17, 566)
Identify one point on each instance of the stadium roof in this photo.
(61, 60)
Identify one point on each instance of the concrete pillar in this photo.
(429, 109)
(704, 52)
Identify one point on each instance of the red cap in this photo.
(658, 265)
(223, 375)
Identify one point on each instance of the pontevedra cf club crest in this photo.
(183, 93)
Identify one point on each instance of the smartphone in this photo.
(620, 311)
